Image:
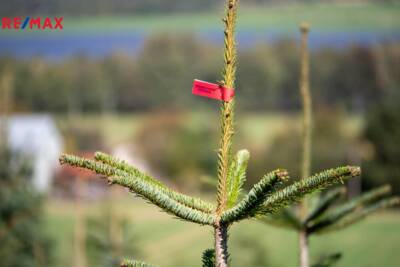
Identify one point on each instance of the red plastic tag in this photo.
(212, 90)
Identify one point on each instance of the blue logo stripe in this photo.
(25, 23)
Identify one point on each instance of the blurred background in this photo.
(118, 78)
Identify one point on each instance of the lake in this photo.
(59, 45)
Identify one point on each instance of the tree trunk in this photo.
(304, 253)
(221, 245)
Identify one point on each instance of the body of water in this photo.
(59, 45)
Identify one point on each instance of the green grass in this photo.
(169, 242)
(324, 17)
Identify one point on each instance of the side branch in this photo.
(358, 215)
(133, 263)
(256, 196)
(192, 202)
(162, 197)
(324, 203)
(163, 201)
(364, 201)
(293, 193)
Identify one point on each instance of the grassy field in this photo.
(323, 17)
(253, 128)
(326, 17)
(172, 243)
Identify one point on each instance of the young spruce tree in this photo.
(323, 216)
(269, 195)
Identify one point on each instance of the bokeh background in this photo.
(118, 78)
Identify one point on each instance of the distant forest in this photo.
(107, 7)
(355, 77)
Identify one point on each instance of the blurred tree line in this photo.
(382, 132)
(163, 70)
(106, 7)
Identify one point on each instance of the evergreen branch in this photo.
(88, 164)
(329, 260)
(371, 196)
(324, 203)
(284, 219)
(152, 193)
(227, 108)
(123, 166)
(237, 176)
(191, 202)
(347, 208)
(255, 197)
(163, 201)
(359, 215)
(208, 258)
(133, 263)
(293, 193)
(112, 167)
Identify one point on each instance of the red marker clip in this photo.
(212, 90)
